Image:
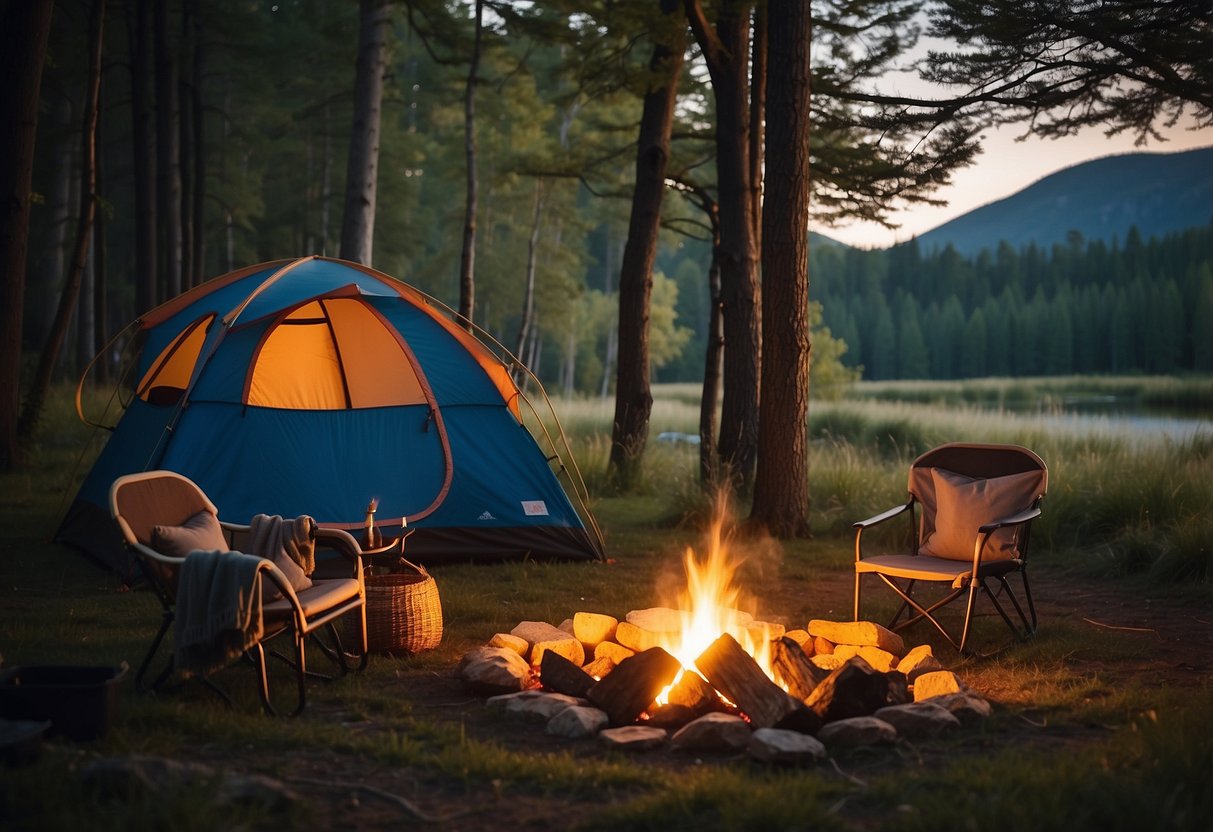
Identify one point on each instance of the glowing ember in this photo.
(708, 609)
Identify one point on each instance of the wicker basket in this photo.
(403, 611)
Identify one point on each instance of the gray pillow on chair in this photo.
(963, 504)
(202, 531)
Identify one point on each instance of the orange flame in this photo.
(708, 609)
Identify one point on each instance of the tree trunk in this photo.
(326, 180)
(467, 259)
(709, 462)
(758, 102)
(612, 342)
(143, 158)
(44, 284)
(362, 171)
(633, 395)
(88, 206)
(781, 488)
(100, 281)
(24, 31)
(198, 246)
(528, 292)
(85, 313)
(185, 148)
(168, 166)
(724, 47)
(569, 376)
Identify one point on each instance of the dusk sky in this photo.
(1004, 167)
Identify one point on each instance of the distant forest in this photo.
(1083, 307)
(263, 100)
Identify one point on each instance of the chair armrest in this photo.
(875, 521)
(276, 576)
(143, 550)
(1013, 520)
(986, 529)
(235, 532)
(883, 516)
(342, 542)
(339, 540)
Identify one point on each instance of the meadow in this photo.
(1099, 721)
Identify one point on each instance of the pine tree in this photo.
(911, 347)
(1202, 321)
(973, 354)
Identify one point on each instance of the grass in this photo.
(1073, 744)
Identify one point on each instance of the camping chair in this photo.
(977, 504)
(141, 502)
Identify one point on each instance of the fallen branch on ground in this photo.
(1127, 629)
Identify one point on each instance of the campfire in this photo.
(716, 678)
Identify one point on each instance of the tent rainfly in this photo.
(312, 386)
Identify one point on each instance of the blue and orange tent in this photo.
(312, 386)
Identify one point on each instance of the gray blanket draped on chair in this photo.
(218, 613)
(288, 543)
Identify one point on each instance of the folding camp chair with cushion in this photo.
(977, 503)
(165, 516)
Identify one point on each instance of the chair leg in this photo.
(1029, 627)
(923, 612)
(166, 621)
(257, 654)
(301, 670)
(858, 577)
(905, 606)
(1027, 591)
(964, 633)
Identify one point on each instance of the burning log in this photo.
(795, 669)
(599, 667)
(561, 675)
(733, 672)
(695, 694)
(855, 689)
(671, 717)
(634, 684)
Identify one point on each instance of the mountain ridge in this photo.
(1102, 199)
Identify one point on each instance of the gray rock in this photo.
(938, 683)
(537, 705)
(968, 707)
(918, 661)
(859, 633)
(918, 719)
(141, 776)
(716, 732)
(256, 790)
(774, 745)
(518, 645)
(543, 636)
(577, 722)
(632, 738)
(857, 731)
(494, 670)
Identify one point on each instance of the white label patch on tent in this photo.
(534, 508)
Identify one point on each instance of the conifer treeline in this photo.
(1082, 307)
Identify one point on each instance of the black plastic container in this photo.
(79, 701)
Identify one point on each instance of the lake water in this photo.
(1117, 415)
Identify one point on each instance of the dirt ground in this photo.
(1171, 637)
